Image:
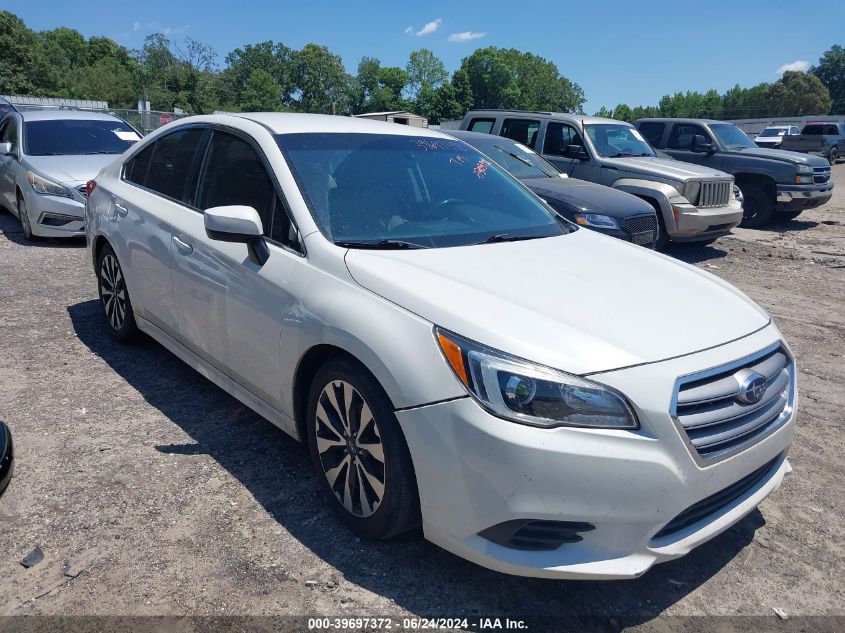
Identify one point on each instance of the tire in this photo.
(114, 297)
(833, 156)
(757, 207)
(364, 438)
(786, 216)
(23, 217)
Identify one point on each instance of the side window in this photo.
(521, 130)
(794, 131)
(169, 171)
(10, 133)
(485, 126)
(235, 174)
(137, 167)
(558, 136)
(652, 131)
(682, 135)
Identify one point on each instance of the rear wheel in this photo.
(114, 296)
(833, 156)
(23, 216)
(359, 453)
(757, 206)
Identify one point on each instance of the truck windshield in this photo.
(74, 137)
(614, 140)
(731, 136)
(397, 191)
(773, 131)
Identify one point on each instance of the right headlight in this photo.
(804, 175)
(520, 391)
(47, 187)
(691, 190)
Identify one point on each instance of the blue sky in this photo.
(620, 52)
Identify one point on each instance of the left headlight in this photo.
(520, 391)
(804, 175)
(596, 221)
(47, 187)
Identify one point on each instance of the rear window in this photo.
(74, 137)
(820, 129)
(521, 130)
(481, 125)
(652, 131)
(167, 166)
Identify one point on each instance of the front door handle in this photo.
(120, 210)
(183, 247)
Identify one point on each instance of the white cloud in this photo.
(136, 26)
(429, 28)
(466, 36)
(155, 27)
(798, 65)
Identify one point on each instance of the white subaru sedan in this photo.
(542, 399)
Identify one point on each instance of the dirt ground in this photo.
(151, 491)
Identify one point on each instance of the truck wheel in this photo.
(833, 156)
(757, 207)
(786, 216)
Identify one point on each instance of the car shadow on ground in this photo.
(10, 227)
(413, 573)
(693, 253)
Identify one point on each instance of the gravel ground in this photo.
(151, 491)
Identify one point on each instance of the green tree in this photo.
(322, 84)
(798, 94)
(18, 55)
(261, 92)
(109, 80)
(272, 57)
(831, 72)
(425, 72)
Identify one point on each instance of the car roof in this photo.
(292, 123)
(667, 119)
(566, 116)
(65, 115)
(475, 136)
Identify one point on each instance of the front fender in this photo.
(657, 191)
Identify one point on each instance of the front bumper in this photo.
(694, 224)
(55, 216)
(475, 471)
(795, 197)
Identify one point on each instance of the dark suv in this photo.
(775, 184)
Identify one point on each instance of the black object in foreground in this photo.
(6, 456)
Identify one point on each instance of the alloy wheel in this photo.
(113, 291)
(23, 216)
(350, 448)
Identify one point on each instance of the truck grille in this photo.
(722, 411)
(713, 504)
(714, 194)
(821, 175)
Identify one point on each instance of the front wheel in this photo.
(757, 206)
(23, 216)
(833, 157)
(114, 297)
(359, 453)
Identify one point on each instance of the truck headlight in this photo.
(596, 221)
(804, 175)
(47, 187)
(520, 391)
(691, 190)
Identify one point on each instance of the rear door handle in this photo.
(183, 247)
(120, 210)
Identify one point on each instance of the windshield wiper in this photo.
(380, 244)
(507, 237)
(516, 156)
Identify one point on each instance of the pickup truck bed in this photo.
(823, 139)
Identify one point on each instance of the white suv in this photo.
(545, 400)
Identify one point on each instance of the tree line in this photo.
(270, 76)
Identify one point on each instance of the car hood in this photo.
(588, 196)
(581, 302)
(796, 158)
(664, 168)
(70, 169)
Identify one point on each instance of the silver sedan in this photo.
(46, 159)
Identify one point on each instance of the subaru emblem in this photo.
(752, 386)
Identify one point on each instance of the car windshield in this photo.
(731, 137)
(396, 191)
(613, 140)
(518, 159)
(773, 131)
(73, 137)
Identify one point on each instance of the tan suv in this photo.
(693, 203)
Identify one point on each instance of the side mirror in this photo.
(578, 152)
(237, 223)
(701, 145)
(5, 149)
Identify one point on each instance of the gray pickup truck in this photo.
(821, 138)
(775, 184)
(693, 203)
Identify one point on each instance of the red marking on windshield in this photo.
(480, 168)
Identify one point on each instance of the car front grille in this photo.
(640, 224)
(715, 503)
(725, 410)
(714, 194)
(821, 175)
